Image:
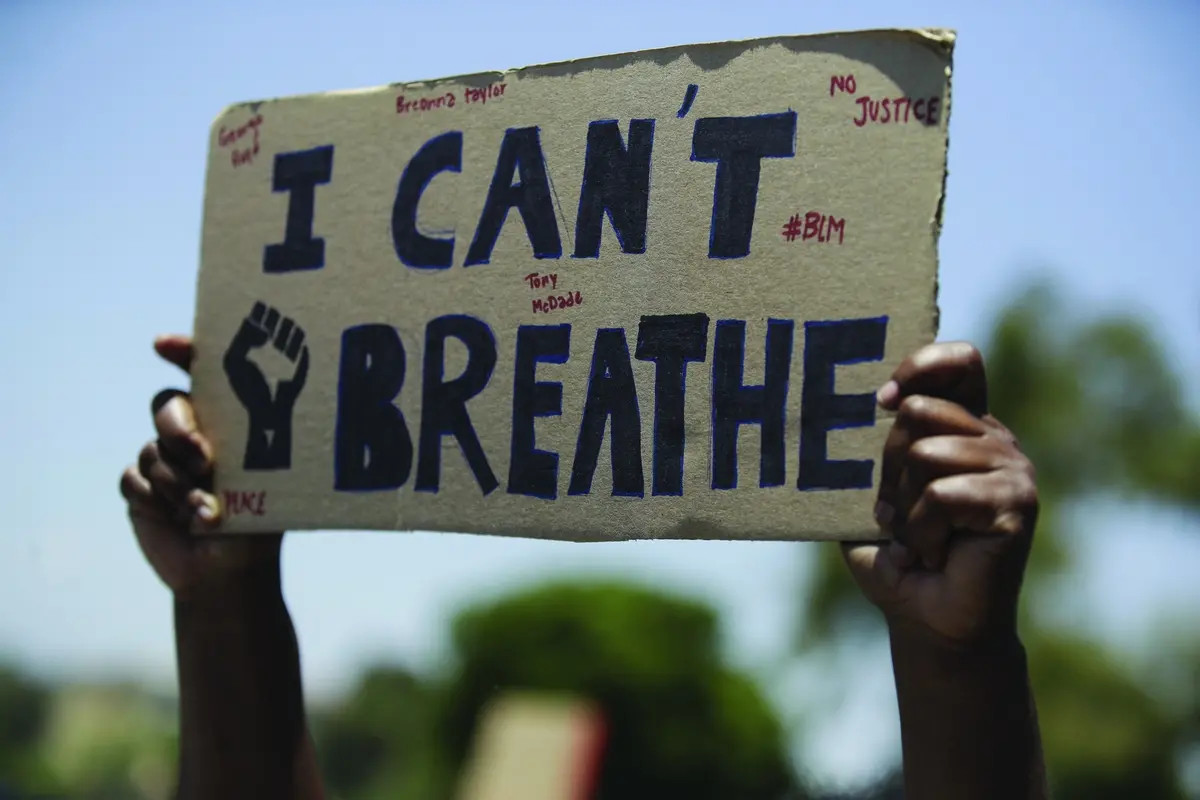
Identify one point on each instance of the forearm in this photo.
(243, 732)
(968, 722)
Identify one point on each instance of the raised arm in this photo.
(959, 500)
(243, 732)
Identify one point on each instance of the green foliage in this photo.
(84, 742)
(1095, 404)
(1105, 736)
(680, 723)
(376, 743)
(24, 705)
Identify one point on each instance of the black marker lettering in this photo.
(299, 174)
(372, 448)
(413, 248)
(827, 344)
(531, 471)
(670, 341)
(521, 151)
(611, 394)
(444, 403)
(735, 405)
(616, 181)
(738, 145)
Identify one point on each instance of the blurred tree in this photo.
(376, 743)
(84, 741)
(24, 706)
(1105, 736)
(112, 741)
(1099, 410)
(681, 724)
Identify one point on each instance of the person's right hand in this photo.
(167, 493)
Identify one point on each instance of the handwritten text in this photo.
(554, 303)
(814, 225)
(253, 503)
(228, 137)
(536, 281)
(897, 110)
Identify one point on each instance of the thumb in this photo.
(877, 567)
(176, 349)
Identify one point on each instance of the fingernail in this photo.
(887, 394)
(884, 513)
(205, 505)
(201, 462)
(163, 400)
(168, 403)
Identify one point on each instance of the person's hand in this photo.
(959, 501)
(167, 494)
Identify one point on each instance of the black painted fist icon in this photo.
(269, 441)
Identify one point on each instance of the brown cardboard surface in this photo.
(537, 303)
(530, 747)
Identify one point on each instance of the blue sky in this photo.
(1072, 156)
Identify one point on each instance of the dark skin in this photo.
(242, 726)
(957, 503)
(959, 500)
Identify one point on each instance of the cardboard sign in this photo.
(533, 747)
(639, 296)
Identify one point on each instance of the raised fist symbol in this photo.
(269, 442)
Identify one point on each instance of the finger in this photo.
(159, 491)
(258, 313)
(952, 371)
(177, 349)
(293, 349)
(141, 501)
(162, 398)
(1000, 503)
(271, 320)
(135, 488)
(919, 417)
(179, 437)
(146, 458)
(926, 532)
(877, 565)
(205, 507)
(938, 456)
(281, 337)
(167, 482)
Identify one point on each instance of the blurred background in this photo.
(724, 670)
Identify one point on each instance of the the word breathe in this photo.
(374, 449)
